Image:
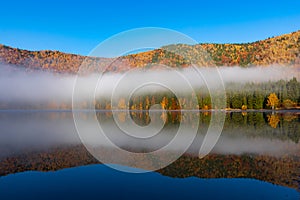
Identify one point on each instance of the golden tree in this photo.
(164, 103)
(244, 107)
(121, 103)
(289, 104)
(272, 101)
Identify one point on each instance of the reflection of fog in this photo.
(25, 131)
(240, 145)
(35, 131)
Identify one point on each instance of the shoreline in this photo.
(156, 110)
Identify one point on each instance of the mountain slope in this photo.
(280, 50)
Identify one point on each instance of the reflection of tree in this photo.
(252, 124)
(122, 116)
(244, 113)
(164, 116)
(273, 120)
(289, 117)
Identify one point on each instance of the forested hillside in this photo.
(281, 50)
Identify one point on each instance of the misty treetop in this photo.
(255, 95)
(266, 95)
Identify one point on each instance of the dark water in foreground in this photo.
(101, 182)
(256, 157)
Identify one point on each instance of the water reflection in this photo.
(256, 132)
(273, 120)
(251, 144)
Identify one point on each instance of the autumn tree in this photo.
(289, 104)
(164, 103)
(272, 101)
(121, 104)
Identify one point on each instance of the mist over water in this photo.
(39, 131)
(20, 86)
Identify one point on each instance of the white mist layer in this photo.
(17, 86)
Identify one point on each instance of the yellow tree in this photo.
(164, 103)
(147, 102)
(272, 101)
(121, 104)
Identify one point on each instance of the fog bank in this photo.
(17, 85)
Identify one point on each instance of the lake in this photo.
(44, 155)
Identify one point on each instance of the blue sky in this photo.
(78, 26)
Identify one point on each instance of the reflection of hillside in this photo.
(282, 171)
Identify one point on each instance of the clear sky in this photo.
(78, 26)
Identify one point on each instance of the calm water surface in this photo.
(256, 157)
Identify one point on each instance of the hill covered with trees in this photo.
(281, 50)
